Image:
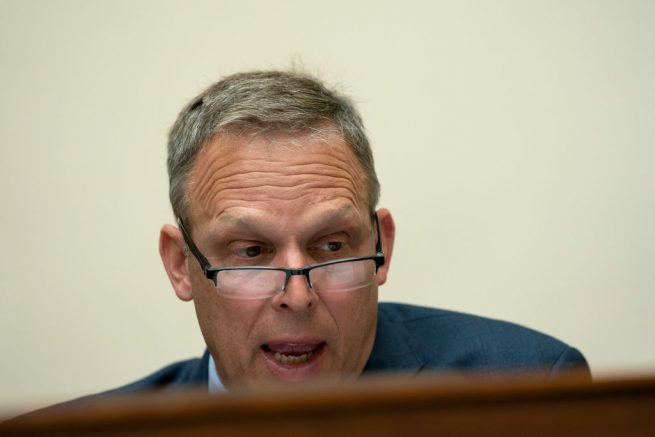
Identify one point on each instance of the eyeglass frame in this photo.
(212, 272)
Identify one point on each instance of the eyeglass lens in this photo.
(254, 283)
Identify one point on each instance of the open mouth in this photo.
(293, 354)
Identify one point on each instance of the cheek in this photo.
(211, 315)
(355, 315)
(226, 324)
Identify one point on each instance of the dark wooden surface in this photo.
(430, 405)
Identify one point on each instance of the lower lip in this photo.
(294, 372)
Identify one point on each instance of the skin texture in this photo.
(287, 201)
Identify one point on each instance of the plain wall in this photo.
(514, 141)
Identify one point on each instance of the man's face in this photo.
(284, 201)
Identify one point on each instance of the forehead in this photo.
(275, 172)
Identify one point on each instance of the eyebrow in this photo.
(252, 223)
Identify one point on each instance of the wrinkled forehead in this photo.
(269, 167)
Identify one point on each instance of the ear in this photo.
(172, 250)
(388, 234)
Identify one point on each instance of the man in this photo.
(279, 245)
(281, 249)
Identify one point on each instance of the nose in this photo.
(298, 296)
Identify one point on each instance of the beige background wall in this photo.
(514, 141)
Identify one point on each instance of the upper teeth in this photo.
(292, 359)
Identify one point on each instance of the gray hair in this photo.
(258, 102)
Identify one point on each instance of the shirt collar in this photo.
(215, 384)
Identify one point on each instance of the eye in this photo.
(332, 246)
(251, 251)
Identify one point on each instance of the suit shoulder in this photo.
(181, 373)
(442, 338)
(175, 376)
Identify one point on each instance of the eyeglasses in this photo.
(259, 282)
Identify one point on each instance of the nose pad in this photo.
(297, 295)
(304, 274)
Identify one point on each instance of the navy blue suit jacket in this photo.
(409, 339)
(414, 339)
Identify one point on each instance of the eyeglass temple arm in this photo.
(204, 262)
(378, 244)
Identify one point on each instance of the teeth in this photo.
(293, 359)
